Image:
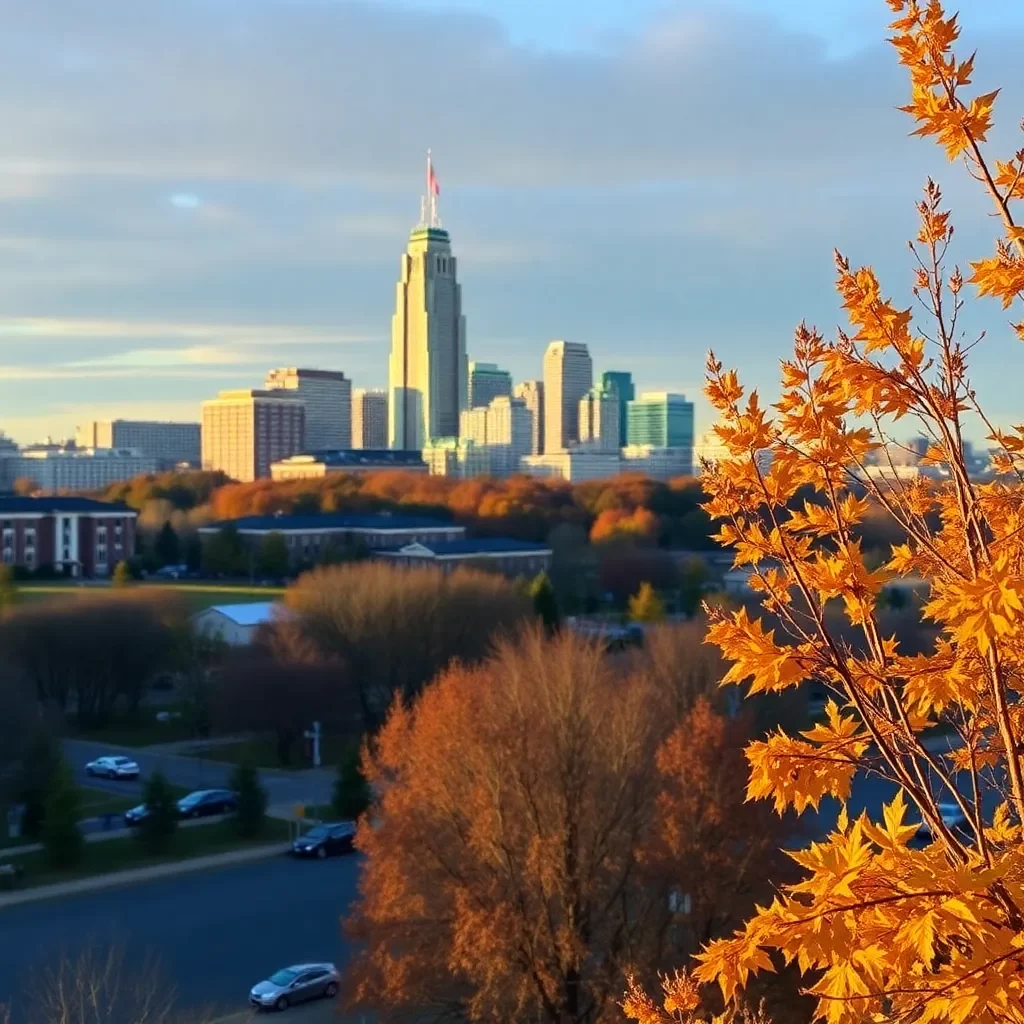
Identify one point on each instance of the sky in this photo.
(194, 191)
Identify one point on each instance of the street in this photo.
(215, 934)
(284, 788)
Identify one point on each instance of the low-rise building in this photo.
(79, 469)
(78, 536)
(352, 460)
(457, 456)
(310, 538)
(657, 463)
(512, 557)
(171, 444)
(235, 624)
(574, 465)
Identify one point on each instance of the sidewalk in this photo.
(114, 879)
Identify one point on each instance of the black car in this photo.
(204, 802)
(135, 815)
(326, 840)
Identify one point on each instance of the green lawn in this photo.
(142, 730)
(261, 752)
(199, 596)
(127, 853)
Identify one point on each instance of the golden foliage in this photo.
(882, 928)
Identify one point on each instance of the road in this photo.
(284, 788)
(215, 934)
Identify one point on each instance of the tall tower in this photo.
(427, 371)
(532, 393)
(568, 376)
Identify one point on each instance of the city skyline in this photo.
(195, 267)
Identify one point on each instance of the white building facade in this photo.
(327, 396)
(599, 420)
(568, 376)
(79, 469)
(575, 465)
(171, 444)
(531, 392)
(369, 418)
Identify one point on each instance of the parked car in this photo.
(296, 984)
(135, 815)
(326, 840)
(952, 818)
(113, 768)
(204, 802)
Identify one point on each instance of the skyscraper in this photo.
(487, 381)
(245, 431)
(662, 420)
(427, 370)
(327, 396)
(599, 420)
(621, 384)
(369, 418)
(532, 394)
(568, 376)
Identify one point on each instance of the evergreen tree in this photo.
(646, 606)
(62, 838)
(41, 761)
(273, 560)
(224, 552)
(545, 603)
(166, 547)
(351, 791)
(122, 575)
(252, 800)
(157, 828)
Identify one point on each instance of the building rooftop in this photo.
(59, 503)
(380, 522)
(482, 546)
(255, 613)
(356, 457)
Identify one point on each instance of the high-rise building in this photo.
(473, 425)
(568, 376)
(427, 369)
(487, 381)
(369, 419)
(503, 430)
(621, 384)
(169, 443)
(245, 431)
(660, 419)
(327, 396)
(599, 420)
(532, 394)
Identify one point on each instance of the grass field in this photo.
(127, 853)
(199, 596)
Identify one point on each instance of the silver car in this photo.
(296, 984)
(113, 768)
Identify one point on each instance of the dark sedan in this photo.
(326, 840)
(204, 802)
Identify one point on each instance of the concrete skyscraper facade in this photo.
(427, 382)
(621, 384)
(327, 396)
(168, 443)
(369, 418)
(245, 431)
(532, 394)
(568, 376)
(599, 420)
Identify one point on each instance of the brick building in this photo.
(80, 536)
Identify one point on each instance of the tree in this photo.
(646, 606)
(61, 835)
(33, 781)
(500, 880)
(166, 546)
(252, 800)
(273, 560)
(394, 627)
(545, 604)
(122, 575)
(351, 795)
(280, 685)
(886, 930)
(224, 553)
(157, 828)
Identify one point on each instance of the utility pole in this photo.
(314, 735)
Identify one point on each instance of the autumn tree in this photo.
(121, 576)
(545, 603)
(394, 627)
(8, 589)
(645, 605)
(883, 929)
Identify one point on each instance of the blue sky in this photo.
(193, 191)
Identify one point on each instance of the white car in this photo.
(113, 768)
(296, 984)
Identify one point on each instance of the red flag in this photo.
(432, 182)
